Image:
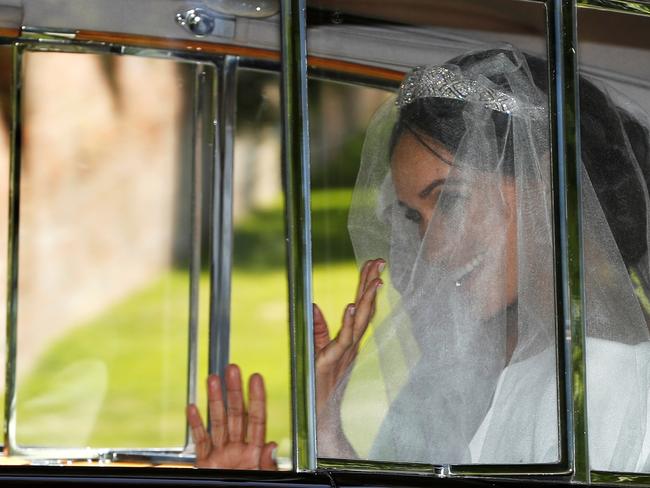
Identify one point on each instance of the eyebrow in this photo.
(425, 192)
(431, 186)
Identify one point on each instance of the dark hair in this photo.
(614, 145)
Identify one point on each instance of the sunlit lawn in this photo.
(119, 380)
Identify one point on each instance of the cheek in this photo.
(512, 259)
(503, 270)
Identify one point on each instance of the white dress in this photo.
(521, 425)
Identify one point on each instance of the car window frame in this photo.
(203, 157)
(562, 45)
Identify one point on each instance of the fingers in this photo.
(235, 398)
(365, 309)
(216, 407)
(356, 316)
(369, 272)
(369, 283)
(267, 458)
(373, 273)
(353, 326)
(226, 445)
(321, 331)
(335, 350)
(346, 334)
(361, 287)
(202, 443)
(256, 427)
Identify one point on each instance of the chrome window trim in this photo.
(36, 41)
(222, 218)
(203, 156)
(15, 136)
(568, 237)
(295, 150)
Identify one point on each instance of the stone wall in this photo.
(100, 187)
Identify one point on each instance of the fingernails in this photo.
(352, 310)
(381, 266)
(379, 284)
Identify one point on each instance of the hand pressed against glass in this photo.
(227, 446)
(237, 438)
(334, 356)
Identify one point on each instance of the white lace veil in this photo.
(466, 347)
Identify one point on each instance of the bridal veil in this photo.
(463, 349)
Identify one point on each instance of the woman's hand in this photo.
(236, 439)
(334, 356)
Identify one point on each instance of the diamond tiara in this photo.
(441, 82)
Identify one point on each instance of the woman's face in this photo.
(466, 219)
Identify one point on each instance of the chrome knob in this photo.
(198, 21)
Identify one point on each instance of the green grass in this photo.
(119, 379)
(260, 237)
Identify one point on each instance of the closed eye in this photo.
(412, 215)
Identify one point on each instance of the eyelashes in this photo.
(446, 204)
(412, 215)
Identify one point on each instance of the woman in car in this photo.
(454, 198)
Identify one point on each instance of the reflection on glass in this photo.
(447, 351)
(615, 144)
(401, 35)
(339, 115)
(259, 310)
(104, 251)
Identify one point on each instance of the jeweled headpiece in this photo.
(441, 82)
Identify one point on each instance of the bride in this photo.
(452, 215)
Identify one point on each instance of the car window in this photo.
(147, 243)
(339, 116)
(165, 234)
(107, 252)
(452, 326)
(614, 100)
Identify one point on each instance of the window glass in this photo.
(614, 138)
(105, 245)
(339, 115)
(259, 310)
(436, 198)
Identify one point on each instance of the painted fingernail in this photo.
(381, 266)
